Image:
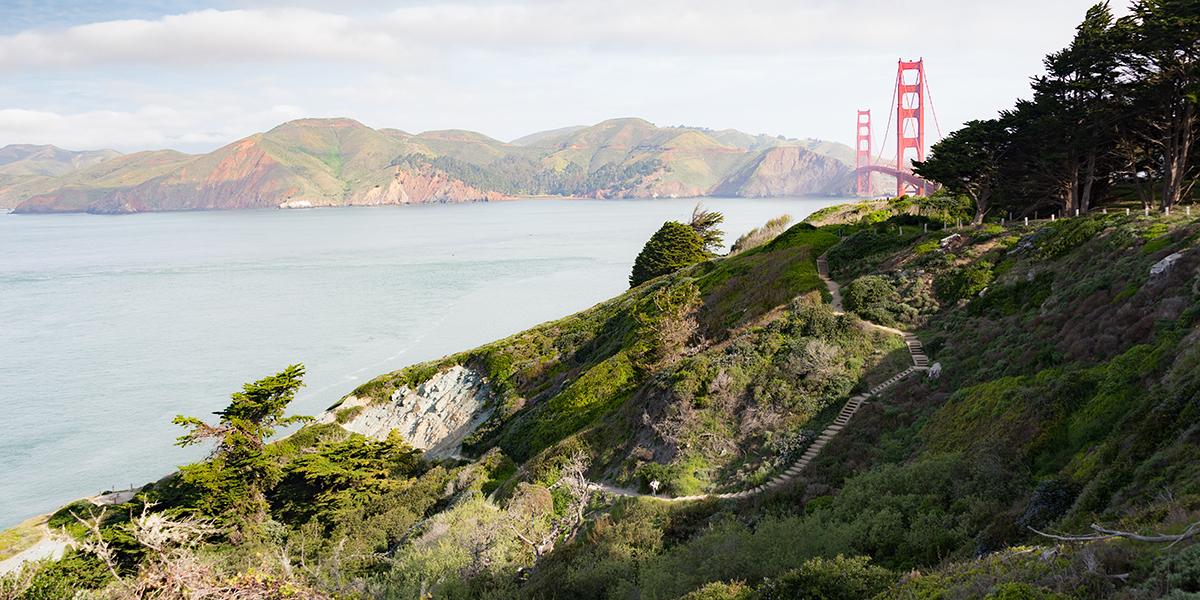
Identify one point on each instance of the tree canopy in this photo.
(233, 481)
(1114, 113)
(671, 248)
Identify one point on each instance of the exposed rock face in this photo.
(434, 417)
(1165, 264)
(785, 171)
(426, 185)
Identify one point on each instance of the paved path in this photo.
(920, 363)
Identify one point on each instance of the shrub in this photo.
(926, 247)
(861, 244)
(720, 591)
(667, 322)
(1051, 499)
(671, 248)
(659, 472)
(63, 578)
(875, 299)
(1068, 234)
(1022, 591)
(838, 578)
(1178, 572)
(1010, 299)
(869, 290)
(963, 282)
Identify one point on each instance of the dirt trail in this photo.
(51, 546)
(920, 363)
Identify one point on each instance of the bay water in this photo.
(112, 325)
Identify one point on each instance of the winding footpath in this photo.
(920, 363)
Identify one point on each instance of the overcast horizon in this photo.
(193, 75)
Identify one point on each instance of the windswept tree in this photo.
(705, 223)
(233, 481)
(968, 162)
(673, 247)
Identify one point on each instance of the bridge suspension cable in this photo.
(887, 129)
(932, 108)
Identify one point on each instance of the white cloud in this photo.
(798, 67)
(676, 27)
(203, 37)
(147, 127)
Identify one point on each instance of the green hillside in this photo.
(27, 170)
(1067, 395)
(336, 162)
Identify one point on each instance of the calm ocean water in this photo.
(110, 326)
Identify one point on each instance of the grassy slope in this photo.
(1070, 395)
(593, 371)
(1059, 407)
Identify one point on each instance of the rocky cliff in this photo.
(435, 416)
(786, 171)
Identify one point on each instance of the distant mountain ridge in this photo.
(28, 169)
(340, 162)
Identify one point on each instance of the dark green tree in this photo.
(671, 248)
(343, 475)
(233, 481)
(1075, 105)
(968, 162)
(1163, 63)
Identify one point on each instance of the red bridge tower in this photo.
(862, 154)
(910, 122)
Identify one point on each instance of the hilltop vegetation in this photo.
(1117, 111)
(26, 169)
(1068, 396)
(337, 162)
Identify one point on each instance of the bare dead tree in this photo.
(542, 541)
(94, 542)
(1104, 533)
(679, 418)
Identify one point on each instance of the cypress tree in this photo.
(671, 248)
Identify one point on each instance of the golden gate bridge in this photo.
(909, 97)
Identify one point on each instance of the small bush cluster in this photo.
(964, 282)
(761, 235)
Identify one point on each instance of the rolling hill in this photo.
(339, 162)
(27, 170)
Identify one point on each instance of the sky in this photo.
(194, 75)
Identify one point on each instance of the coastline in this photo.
(35, 541)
